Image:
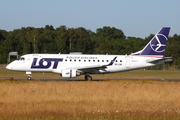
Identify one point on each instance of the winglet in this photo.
(112, 61)
(157, 44)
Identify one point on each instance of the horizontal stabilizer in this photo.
(165, 59)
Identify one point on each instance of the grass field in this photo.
(90, 99)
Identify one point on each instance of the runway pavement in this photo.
(94, 79)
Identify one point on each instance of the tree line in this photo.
(65, 40)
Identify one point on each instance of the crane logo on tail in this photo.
(158, 44)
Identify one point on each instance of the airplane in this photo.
(73, 65)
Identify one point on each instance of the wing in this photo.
(89, 68)
(95, 68)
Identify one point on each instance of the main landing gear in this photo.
(29, 77)
(87, 77)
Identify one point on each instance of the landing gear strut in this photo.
(88, 77)
(29, 77)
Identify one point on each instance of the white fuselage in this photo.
(89, 63)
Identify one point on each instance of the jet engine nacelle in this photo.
(69, 73)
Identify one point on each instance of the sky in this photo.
(136, 18)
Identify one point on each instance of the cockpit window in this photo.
(22, 58)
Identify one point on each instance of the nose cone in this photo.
(9, 66)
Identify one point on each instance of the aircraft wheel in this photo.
(29, 78)
(88, 77)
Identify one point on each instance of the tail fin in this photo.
(157, 44)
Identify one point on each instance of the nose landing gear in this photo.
(29, 77)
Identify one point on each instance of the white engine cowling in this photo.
(69, 73)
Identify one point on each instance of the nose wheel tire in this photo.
(88, 77)
(29, 78)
